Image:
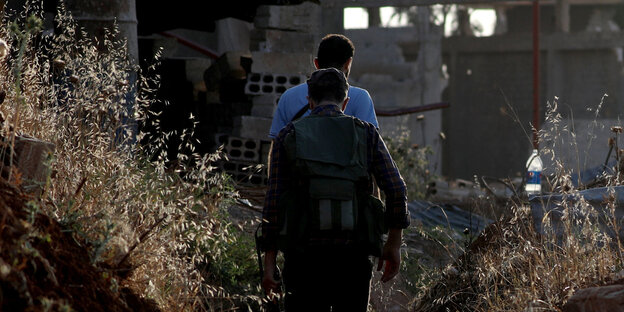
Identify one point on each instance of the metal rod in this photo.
(536, 71)
(411, 110)
(190, 44)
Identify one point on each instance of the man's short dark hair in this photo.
(334, 51)
(328, 84)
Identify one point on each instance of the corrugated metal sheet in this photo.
(553, 206)
(432, 214)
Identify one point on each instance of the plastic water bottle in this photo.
(534, 174)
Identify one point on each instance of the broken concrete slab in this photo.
(286, 63)
(302, 17)
(273, 40)
(232, 35)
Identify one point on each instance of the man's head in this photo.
(335, 51)
(328, 85)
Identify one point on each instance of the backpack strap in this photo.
(300, 112)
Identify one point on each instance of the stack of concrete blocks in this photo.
(282, 44)
(396, 80)
(244, 155)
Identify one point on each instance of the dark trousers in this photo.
(327, 279)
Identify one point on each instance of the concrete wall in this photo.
(395, 81)
(519, 17)
(492, 77)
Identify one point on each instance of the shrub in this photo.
(413, 163)
(159, 221)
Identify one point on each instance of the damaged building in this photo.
(228, 67)
(486, 80)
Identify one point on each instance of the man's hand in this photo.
(391, 255)
(269, 284)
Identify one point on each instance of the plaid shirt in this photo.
(380, 165)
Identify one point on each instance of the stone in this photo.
(597, 299)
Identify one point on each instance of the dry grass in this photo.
(163, 224)
(156, 222)
(514, 266)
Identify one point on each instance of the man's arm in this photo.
(397, 216)
(278, 180)
(391, 254)
(269, 283)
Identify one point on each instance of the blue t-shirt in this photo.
(360, 105)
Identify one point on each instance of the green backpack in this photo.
(328, 202)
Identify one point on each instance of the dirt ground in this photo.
(45, 268)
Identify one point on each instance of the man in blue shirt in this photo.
(335, 51)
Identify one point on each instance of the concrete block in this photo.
(270, 83)
(288, 63)
(221, 139)
(265, 99)
(264, 105)
(242, 149)
(272, 40)
(263, 110)
(252, 127)
(302, 17)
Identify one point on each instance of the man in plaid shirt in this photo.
(326, 273)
